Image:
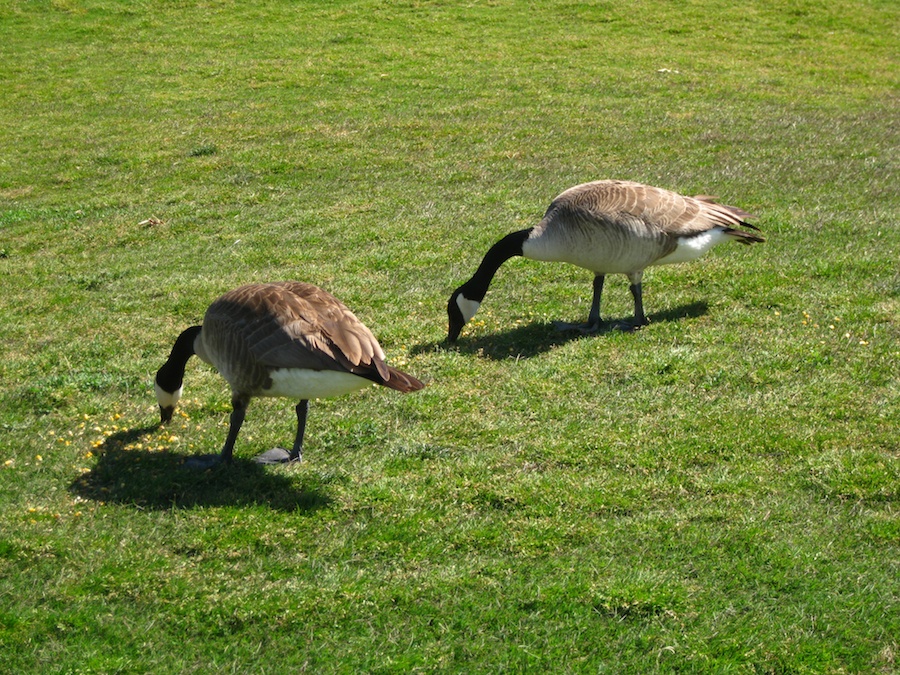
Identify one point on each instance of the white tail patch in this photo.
(300, 383)
(691, 248)
(467, 307)
(167, 399)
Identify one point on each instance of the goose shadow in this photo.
(536, 338)
(159, 480)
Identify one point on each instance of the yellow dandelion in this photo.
(38, 458)
(8, 462)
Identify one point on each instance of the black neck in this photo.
(171, 375)
(508, 247)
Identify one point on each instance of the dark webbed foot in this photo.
(630, 326)
(592, 328)
(588, 328)
(203, 462)
(276, 456)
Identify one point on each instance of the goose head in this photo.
(167, 401)
(170, 377)
(460, 311)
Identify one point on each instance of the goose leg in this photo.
(637, 294)
(639, 318)
(282, 456)
(593, 322)
(297, 451)
(238, 411)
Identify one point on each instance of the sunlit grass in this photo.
(714, 493)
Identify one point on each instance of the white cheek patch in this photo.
(166, 399)
(467, 307)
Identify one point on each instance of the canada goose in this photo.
(608, 227)
(279, 339)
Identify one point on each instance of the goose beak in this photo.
(453, 331)
(165, 413)
(456, 320)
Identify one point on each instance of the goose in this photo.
(609, 227)
(288, 339)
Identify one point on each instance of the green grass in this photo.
(718, 492)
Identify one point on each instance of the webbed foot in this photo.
(203, 462)
(588, 328)
(276, 456)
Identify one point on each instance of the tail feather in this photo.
(744, 237)
(735, 211)
(402, 382)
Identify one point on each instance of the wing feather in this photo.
(625, 202)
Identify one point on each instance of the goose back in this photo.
(260, 329)
(613, 226)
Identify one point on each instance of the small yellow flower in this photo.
(8, 462)
(38, 458)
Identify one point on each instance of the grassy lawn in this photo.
(718, 492)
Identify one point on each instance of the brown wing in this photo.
(627, 202)
(296, 325)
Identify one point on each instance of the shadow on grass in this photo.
(537, 338)
(159, 480)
